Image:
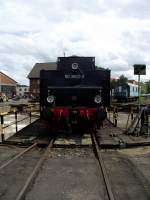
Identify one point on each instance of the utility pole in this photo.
(139, 92)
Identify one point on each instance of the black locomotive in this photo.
(71, 97)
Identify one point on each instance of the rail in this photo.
(17, 156)
(23, 191)
(103, 169)
(28, 180)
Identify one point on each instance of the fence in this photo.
(15, 118)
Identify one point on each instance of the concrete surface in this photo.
(73, 139)
(7, 152)
(129, 179)
(13, 176)
(69, 175)
(140, 157)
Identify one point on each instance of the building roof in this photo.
(19, 85)
(6, 80)
(35, 72)
(133, 82)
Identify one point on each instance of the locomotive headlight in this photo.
(50, 99)
(97, 99)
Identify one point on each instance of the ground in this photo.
(73, 174)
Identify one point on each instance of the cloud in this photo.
(115, 32)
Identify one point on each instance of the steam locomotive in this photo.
(72, 96)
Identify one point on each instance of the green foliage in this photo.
(144, 100)
(147, 86)
(115, 82)
(122, 80)
(143, 88)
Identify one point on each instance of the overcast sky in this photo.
(116, 32)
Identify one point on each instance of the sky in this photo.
(116, 32)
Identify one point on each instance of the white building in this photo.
(22, 90)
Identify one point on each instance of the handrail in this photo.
(16, 120)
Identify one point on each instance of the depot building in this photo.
(7, 85)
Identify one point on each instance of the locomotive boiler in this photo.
(72, 96)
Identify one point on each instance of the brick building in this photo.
(7, 85)
(34, 76)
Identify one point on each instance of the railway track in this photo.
(21, 194)
(97, 153)
(22, 169)
(101, 171)
(89, 160)
(102, 168)
(17, 156)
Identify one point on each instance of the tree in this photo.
(143, 88)
(147, 87)
(113, 83)
(122, 80)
